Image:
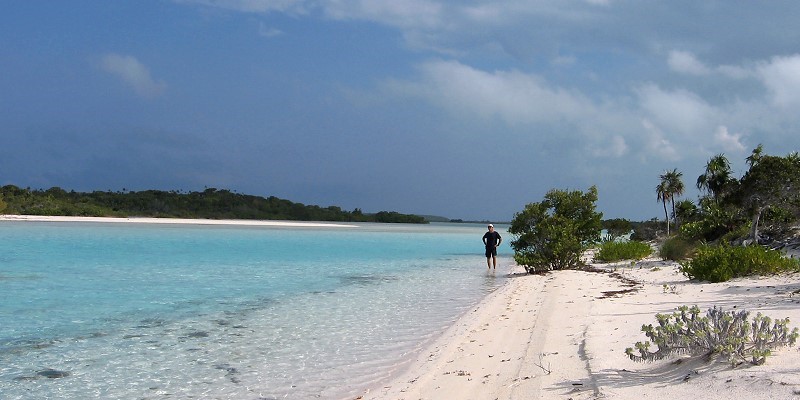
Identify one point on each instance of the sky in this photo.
(466, 109)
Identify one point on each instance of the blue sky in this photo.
(466, 109)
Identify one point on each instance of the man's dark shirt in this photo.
(491, 238)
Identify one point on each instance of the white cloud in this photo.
(513, 96)
(685, 62)
(678, 111)
(267, 32)
(734, 72)
(133, 73)
(781, 76)
(405, 13)
(658, 144)
(729, 142)
(615, 147)
(563, 60)
(291, 6)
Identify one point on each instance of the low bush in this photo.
(719, 333)
(615, 251)
(675, 249)
(722, 263)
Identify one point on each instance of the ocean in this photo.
(144, 311)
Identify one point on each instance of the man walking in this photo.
(491, 240)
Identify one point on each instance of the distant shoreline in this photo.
(174, 221)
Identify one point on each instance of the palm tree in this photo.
(716, 177)
(756, 156)
(662, 193)
(675, 187)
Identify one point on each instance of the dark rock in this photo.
(52, 373)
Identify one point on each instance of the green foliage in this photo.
(647, 230)
(719, 333)
(722, 263)
(717, 179)
(617, 227)
(695, 230)
(771, 182)
(611, 251)
(736, 233)
(714, 221)
(208, 204)
(675, 249)
(766, 198)
(686, 210)
(670, 186)
(396, 217)
(552, 234)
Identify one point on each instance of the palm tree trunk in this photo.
(666, 215)
(674, 217)
(754, 227)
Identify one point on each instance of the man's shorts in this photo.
(491, 251)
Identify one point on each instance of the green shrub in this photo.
(722, 263)
(719, 333)
(675, 249)
(737, 233)
(611, 251)
(692, 230)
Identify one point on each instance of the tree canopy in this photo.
(211, 203)
(771, 182)
(766, 197)
(553, 233)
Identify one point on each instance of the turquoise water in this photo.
(183, 311)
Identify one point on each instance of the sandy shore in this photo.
(563, 335)
(181, 221)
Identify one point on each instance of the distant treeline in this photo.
(209, 204)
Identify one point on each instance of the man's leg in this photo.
(488, 262)
(494, 261)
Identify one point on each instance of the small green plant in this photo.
(675, 249)
(719, 333)
(722, 263)
(616, 251)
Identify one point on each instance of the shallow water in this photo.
(178, 311)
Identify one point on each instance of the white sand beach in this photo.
(148, 220)
(563, 335)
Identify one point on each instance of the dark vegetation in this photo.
(209, 204)
(738, 227)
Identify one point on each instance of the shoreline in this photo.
(174, 221)
(563, 335)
